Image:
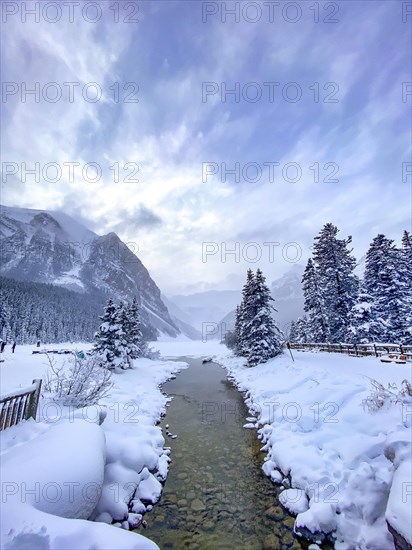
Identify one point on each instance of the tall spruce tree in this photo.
(123, 341)
(262, 339)
(364, 327)
(137, 346)
(107, 338)
(248, 299)
(299, 331)
(237, 336)
(317, 322)
(405, 276)
(383, 281)
(244, 314)
(292, 332)
(339, 285)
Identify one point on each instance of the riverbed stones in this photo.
(209, 525)
(289, 522)
(275, 512)
(197, 505)
(271, 542)
(287, 538)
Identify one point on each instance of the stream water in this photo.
(216, 496)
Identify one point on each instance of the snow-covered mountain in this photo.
(207, 307)
(288, 295)
(360, 267)
(51, 247)
(181, 320)
(218, 306)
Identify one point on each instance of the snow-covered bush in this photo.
(381, 396)
(80, 384)
(152, 354)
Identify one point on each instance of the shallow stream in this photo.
(216, 496)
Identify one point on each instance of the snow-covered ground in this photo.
(316, 432)
(64, 468)
(349, 469)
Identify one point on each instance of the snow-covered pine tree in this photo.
(339, 285)
(246, 313)
(137, 346)
(237, 333)
(108, 339)
(405, 269)
(317, 329)
(383, 282)
(299, 331)
(248, 292)
(229, 339)
(123, 338)
(29, 311)
(407, 250)
(262, 339)
(292, 332)
(302, 330)
(363, 326)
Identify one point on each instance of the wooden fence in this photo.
(19, 406)
(357, 350)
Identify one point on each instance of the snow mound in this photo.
(295, 500)
(51, 485)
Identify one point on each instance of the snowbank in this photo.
(53, 482)
(398, 512)
(136, 461)
(316, 431)
(78, 470)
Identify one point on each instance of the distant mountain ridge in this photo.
(181, 320)
(288, 295)
(218, 306)
(51, 247)
(207, 307)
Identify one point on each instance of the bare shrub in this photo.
(383, 397)
(80, 384)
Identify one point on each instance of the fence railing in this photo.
(357, 350)
(19, 406)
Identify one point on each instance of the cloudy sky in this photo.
(316, 129)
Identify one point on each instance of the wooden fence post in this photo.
(34, 400)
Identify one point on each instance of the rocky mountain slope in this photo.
(51, 247)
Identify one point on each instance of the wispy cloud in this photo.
(151, 152)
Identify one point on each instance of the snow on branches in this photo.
(340, 308)
(83, 384)
(119, 339)
(256, 335)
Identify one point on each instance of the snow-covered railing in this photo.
(357, 350)
(20, 405)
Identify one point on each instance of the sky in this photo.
(193, 129)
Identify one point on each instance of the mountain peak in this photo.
(51, 247)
